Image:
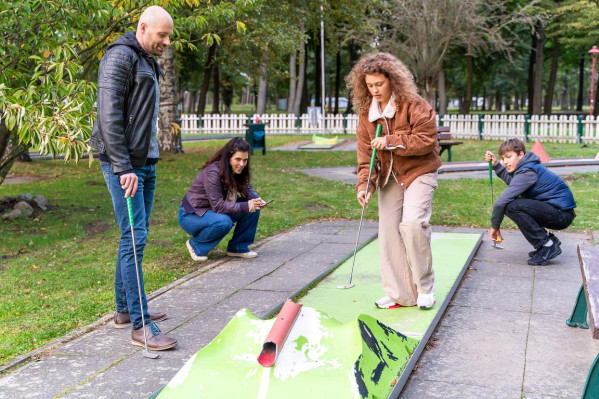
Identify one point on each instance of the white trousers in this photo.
(405, 239)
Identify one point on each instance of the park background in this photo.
(524, 59)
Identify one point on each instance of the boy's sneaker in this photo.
(247, 255)
(531, 254)
(545, 254)
(426, 301)
(387, 303)
(195, 257)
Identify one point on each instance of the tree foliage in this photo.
(49, 51)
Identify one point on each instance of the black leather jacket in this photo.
(126, 101)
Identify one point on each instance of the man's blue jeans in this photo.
(125, 281)
(209, 229)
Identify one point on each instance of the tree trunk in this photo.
(317, 77)
(305, 97)
(353, 58)
(301, 82)
(552, 77)
(469, 74)
(8, 152)
(206, 81)
(538, 80)
(579, 100)
(337, 81)
(216, 90)
(442, 92)
(292, 83)
(484, 106)
(261, 107)
(531, 71)
(168, 129)
(498, 103)
(227, 86)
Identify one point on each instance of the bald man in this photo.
(125, 136)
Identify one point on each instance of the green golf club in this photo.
(492, 196)
(350, 284)
(137, 272)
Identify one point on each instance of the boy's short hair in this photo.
(515, 145)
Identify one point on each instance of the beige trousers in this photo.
(405, 239)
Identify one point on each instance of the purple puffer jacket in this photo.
(207, 192)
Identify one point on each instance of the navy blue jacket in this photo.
(531, 180)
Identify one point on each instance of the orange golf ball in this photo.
(499, 239)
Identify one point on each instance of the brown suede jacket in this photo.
(414, 127)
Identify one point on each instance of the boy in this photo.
(535, 199)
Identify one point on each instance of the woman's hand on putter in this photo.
(380, 143)
(489, 156)
(361, 200)
(495, 235)
(129, 183)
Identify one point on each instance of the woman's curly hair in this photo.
(401, 79)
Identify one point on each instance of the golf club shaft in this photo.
(491, 183)
(378, 134)
(141, 305)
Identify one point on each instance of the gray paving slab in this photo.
(557, 356)
(450, 355)
(441, 389)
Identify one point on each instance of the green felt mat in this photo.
(341, 346)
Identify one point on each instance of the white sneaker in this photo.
(249, 254)
(426, 301)
(193, 254)
(387, 303)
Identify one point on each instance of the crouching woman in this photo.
(221, 195)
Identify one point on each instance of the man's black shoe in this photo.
(532, 254)
(545, 254)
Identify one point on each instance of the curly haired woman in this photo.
(384, 93)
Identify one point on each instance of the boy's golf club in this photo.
(492, 197)
(350, 284)
(137, 271)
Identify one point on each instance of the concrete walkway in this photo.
(503, 336)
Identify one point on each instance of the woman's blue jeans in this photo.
(125, 282)
(209, 229)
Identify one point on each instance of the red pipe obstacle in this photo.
(278, 333)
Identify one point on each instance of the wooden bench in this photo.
(445, 141)
(586, 310)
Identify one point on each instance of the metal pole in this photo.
(322, 60)
(592, 86)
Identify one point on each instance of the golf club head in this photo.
(151, 355)
(345, 286)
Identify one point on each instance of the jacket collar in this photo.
(374, 113)
(129, 40)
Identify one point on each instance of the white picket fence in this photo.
(275, 124)
(552, 128)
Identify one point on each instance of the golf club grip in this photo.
(130, 209)
(490, 172)
(379, 128)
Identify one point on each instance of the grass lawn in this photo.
(56, 269)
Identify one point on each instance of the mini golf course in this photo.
(340, 345)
